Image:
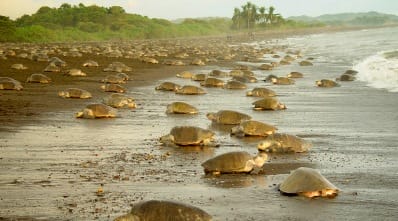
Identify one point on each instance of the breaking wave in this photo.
(380, 70)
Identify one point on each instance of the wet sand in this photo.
(53, 165)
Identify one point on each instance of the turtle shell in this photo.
(295, 74)
(38, 78)
(154, 210)
(253, 128)
(98, 111)
(228, 162)
(235, 85)
(168, 86)
(212, 82)
(7, 83)
(261, 92)
(267, 103)
(287, 143)
(282, 81)
(326, 83)
(190, 90)
(190, 135)
(78, 93)
(76, 72)
(185, 74)
(304, 180)
(199, 77)
(113, 88)
(181, 108)
(114, 79)
(218, 73)
(117, 100)
(228, 117)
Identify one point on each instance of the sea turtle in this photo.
(351, 72)
(326, 83)
(268, 103)
(235, 85)
(150, 60)
(174, 62)
(197, 61)
(282, 81)
(117, 88)
(57, 62)
(266, 67)
(218, 73)
(295, 74)
(346, 77)
(199, 77)
(75, 93)
(245, 79)
(305, 63)
(19, 67)
(156, 210)
(228, 117)
(234, 162)
(117, 100)
(75, 72)
(190, 90)
(212, 82)
(168, 86)
(185, 74)
(261, 92)
(117, 67)
(284, 143)
(253, 128)
(270, 77)
(123, 76)
(181, 108)
(188, 136)
(7, 83)
(92, 111)
(90, 63)
(114, 79)
(52, 68)
(38, 78)
(308, 182)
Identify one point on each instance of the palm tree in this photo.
(236, 18)
(262, 14)
(270, 15)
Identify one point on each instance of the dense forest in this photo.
(96, 23)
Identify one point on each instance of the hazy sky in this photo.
(172, 9)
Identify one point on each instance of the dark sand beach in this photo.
(56, 167)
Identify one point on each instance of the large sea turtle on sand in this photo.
(284, 143)
(305, 63)
(188, 136)
(19, 67)
(218, 73)
(38, 78)
(7, 83)
(75, 93)
(253, 128)
(117, 100)
(326, 83)
(92, 111)
(346, 77)
(268, 103)
(199, 77)
(190, 90)
(76, 72)
(227, 117)
(161, 210)
(212, 82)
(235, 85)
(234, 162)
(308, 182)
(117, 67)
(261, 92)
(198, 61)
(117, 88)
(114, 79)
(185, 74)
(181, 108)
(52, 68)
(90, 63)
(295, 74)
(167, 86)
(282, 81)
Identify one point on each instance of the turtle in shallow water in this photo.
(326, 83)
(295, 74)
(185, 74)
(199, 77)
(198, 61)
(190, 90)
(212, 82)
(161, 210)
(228, 117)
(76, 72)
(346, 77)
(234, 162)
(19, 67)
(123, 76)
(117, 88)
(117, 100)
(117, 67)
(218, 73)
(7, 83)
(75, 93)
(235, 85)
(284, 143)
(181, 108)
(92, 111)
(261, 92)
(305, 63)
(52, 68)
(245, 79)
(90, 63)
(268, 103)
(38, 78)
(114, 79)
(270, 77)
(253, 128)
(282, 81)
(168, 86)
(188, 136)
(308, 182)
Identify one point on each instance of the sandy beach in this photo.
(56, 167)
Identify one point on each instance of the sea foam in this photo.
(380, 70)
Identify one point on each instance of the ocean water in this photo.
(372, 52)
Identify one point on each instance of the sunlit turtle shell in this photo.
(228, 117)
(261, 92)
(75, 93)
(308, 182)
(19, 67)
(117, 88)
(253, 128)
(199, 77)
(76, 72)
(190, 90)
(185, 74)
(154, 210)
(212, 82)
(282, 81)
(92, 111)
(234, 162)
(38, 78)
(268, 103)
(305, 63)
(181, 108)
(218, 73)
(295, 74)
(168, 86)
(118, 67)
(284, 143)
(235, 85)
(7, 83)
(117, 100)
(198, 61)
(346, 77)
(266, 67)
(326, 83)
(52, 68)
(189, 136)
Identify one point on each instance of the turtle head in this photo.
(268, 145)
(260, 159)
(211, 116)
(79, 114)
(318, 83)
(249, 93)
(166, 139)
(274, 80)
(281, 106)
(131, 105)
(103, 87)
